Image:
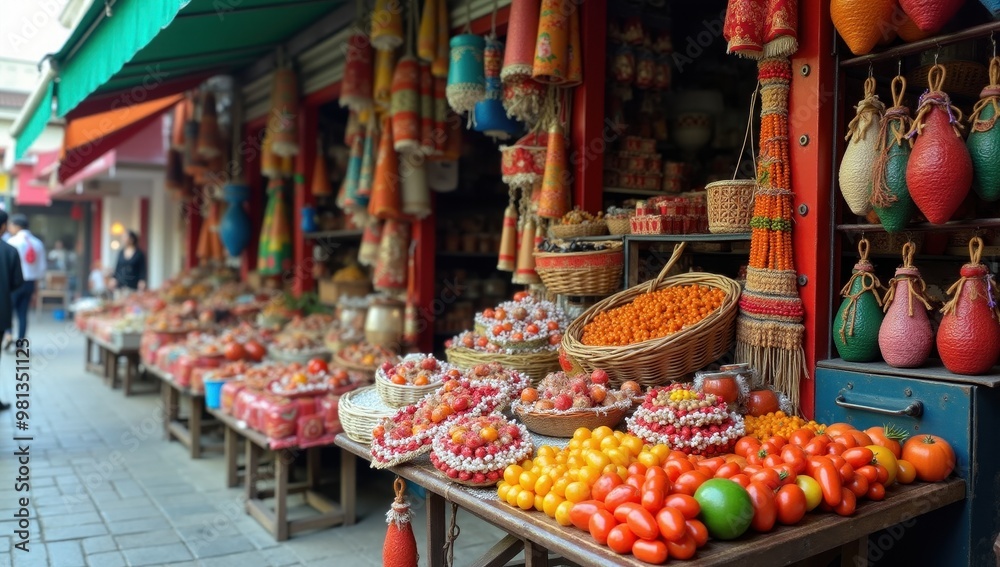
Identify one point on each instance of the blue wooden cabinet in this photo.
(965, 410)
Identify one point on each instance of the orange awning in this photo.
(89, 137)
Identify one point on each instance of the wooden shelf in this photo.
(974, 32)
(334, 235)
(925, 226)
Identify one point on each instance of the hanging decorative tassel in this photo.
(369, 162)
(385, 64)
(859, 159)
(427, 134)
(984, 139)
(525, 273)
(490, 116)
(182, 113)
(370, 240)
(890, 195)
(551, 65)
(400, 547)
(427, 40)
(385, 199)
(356, 90)
(285, 112)
(441, 63)
(466, 81)
(416, 195)
(508, 236)
(393, 252)
(522, 95)
(553, 200)
(406, 105)
(387, 25)
(321, 176)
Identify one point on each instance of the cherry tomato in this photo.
(869, 472)
(601, 524)
(785, 474)
(777, 441)
(794, 456)
(685, 503)
(698, 531)
(689, 482)
(652, 499)
(638, 468)
(846, 472)
(747, 445)
(655, 472)
(883, 474)
(757, 457)
(684, 548)
(749, 470)
(636, 481)
(906, 473)
(801, 437)
(713, 464)
(740, 479)
(661, 483)
(581, 513)
(768, 477)
(650, 551)
(817, 446)
(828, 477)
(764, 509)
(770, 448)
(858, 456)
(674, 468)
(835, 448)
(621, 513)
(728, 470)
(858, 485)
(621, 539)
(642, 523)
(671, 523)
(773, 460)
(604, 485)
(848, 502)
(621, 494)
(876, 491)
(791, 504)
(847, 441)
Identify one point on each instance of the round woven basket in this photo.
(592, 228)
(535, 365)
(359, 421)
(620, 226)
(597, 272)
(341, 362)
(964, 78)
(658, 361)
(397, 396)
(563, 424)
(301, 357)
(730, 205)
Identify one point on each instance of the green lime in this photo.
(726, 509)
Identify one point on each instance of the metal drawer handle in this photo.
(916, 409)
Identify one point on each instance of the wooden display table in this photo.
(274, 517)
(189, 430)
(107, 360)
(537, 534)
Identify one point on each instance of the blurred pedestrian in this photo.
(11, 280)
(130, 270)
(33, 265)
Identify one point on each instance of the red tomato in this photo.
(601, 524)
(654, 472)
(794, 456)
(836, 448)
(255, 350)
(728, 470)
(652, 499)
(768, 477)
(785, 474)
(869, 472)
(858, 485)
(689, 482)
(621, 494)
(317, 366)
(847, 441)
(791, 504)
(801, 437)
(858, 456)
(604, 485)
(234, 352)
(713, 464)
(642, 523)
(846, 472)
(876, 491)
(741, 479)
(770, 447)
(660, 483)
(698, 531)
(622, 512)
(684, 548)
(637, 468)
(635, 481)
(581, 512)
(650, 551)
(685, 503)
(817, 446)
(777, 440)
(621, 539)
(772, 460)
(883, 474)
(764, 510)
(847, 503)
(828, 477)
(747, 445)
(671, 523)
(675, 468)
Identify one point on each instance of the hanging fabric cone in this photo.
(525, 273)
(937, 129)
(285, 112)
(387, 25)
(353, 176)
(574, 73)
(208, 130)
(554, 198)
(890, 196)
(270, 163)
(370, 240)
(508, 238)
(781, 28)
(393, 252)
(416, 195)
(490, 116)
(984, 139)
(369, 163)
(182, 113)
(427, 37)
(320, 186)
(440, 129)
(356, 87)
(400, 547)
(551, 64)
(466, 81)
(385, 198)
(860, 157)
(441, 62)
(174, 171)
(522, 94)
(405, 110)
(968, 339)
(906, 337)
(278, 254)
(857, 322)
(522, 164)
(385, 64)
(427, 146)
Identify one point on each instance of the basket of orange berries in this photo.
(409, 380)
(659, 331)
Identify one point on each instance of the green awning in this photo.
(36, 124)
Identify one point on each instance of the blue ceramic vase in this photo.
(308, 219)
(234, 228)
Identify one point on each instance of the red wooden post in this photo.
(588, 139)
(302, 264)
(812, 98)
(424, 235)
(194, 220)
(250, 153)
(143, 223)
(96, 210)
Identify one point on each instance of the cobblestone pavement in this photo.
(108, 490)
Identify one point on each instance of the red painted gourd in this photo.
(968, 339)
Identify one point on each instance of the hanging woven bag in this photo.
(984, 140)
(861, 22)
(906, 337)
(968, 338)
(890, 195)
(859, 159)
(857, 323)
(931, 15)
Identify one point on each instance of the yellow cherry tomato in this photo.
(812, 490)
(905, 472)
(562, 513)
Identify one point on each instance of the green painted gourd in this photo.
(984, 139)
(890, 194)
(857, 323)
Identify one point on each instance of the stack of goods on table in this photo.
(576, 223)
(113, 328)
(350, 327)
(636, 165)
(303, 339)
(523, 334)
(682, 214)
(292, 404)
(187, 360)
(561, 403)
(170, 324)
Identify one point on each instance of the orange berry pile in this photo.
(653, 315)
(777, 423)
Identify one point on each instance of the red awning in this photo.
(89, 137)
(29, 192)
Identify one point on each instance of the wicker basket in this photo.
(397, 396)
(359, 421)
(620, 226)
(963, 78)
(730, 205)
(657, 361)
(565, 423)
(341, 362)
(535, 365)
(594, 273)
(592, 228)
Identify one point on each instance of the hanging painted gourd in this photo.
(861, 22)
(931, 15)
(400, 546)
(466, 81)
(285, 112)
(939, 173)
(370, 240)
(490, 116)
(968, 338)
(906, 337)
(890, 195)
(385, 198)
(857, 323)
(393, 254)
(984, 139)
(234, 228)
(858, 163)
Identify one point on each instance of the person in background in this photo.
(97, 281)
(130, 270)
(60, 258)
(11, 280)
(33, 265)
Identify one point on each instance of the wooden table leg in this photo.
(501, 552)
(348, 485)
(127, 380)
(436, 523)
(230, 449)
(109, 367)
(314, 474)
(194, 425)
(170, 406)
(281, 498)
(535, 555)
(252, 463)
(854, 553)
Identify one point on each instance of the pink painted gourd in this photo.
(906, 337)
